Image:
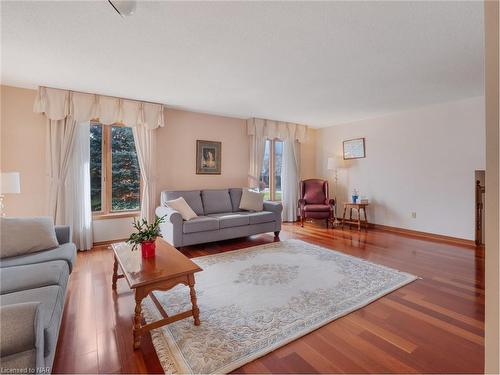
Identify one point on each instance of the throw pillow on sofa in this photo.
(251, 201)
(21, 235)
(182, 207)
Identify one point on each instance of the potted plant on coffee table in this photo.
(146, 236)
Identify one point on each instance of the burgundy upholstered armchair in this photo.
(314, 202)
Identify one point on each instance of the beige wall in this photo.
(23, 150)
(420, 161)
(492, 260)
(308, 155)
(176, 151)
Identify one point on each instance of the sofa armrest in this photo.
(171, 216)
(274, 207)
(171, 228)
(63, 234)
(21, 327)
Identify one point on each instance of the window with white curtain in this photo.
(115, 176)
(271, 169)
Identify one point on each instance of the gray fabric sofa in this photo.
(219, 217)
(32, 294)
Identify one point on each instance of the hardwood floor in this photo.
(433, 325)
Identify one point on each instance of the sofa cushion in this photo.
(251, 200)
(192, 198)
(260, 217)
(15, 279)
(317, 208)
(20, 360)
(24, 235)
(21, 327)
(200, 224)
(52, 302)
(235, 195)
(66, 252)
(231, 219)
(180, 205)
(216, 201)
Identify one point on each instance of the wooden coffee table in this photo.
(166, 269)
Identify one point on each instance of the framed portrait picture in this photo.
(354, 148)
(208, 157)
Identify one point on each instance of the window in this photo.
(271, 169)
(115, 178)
(96, 167)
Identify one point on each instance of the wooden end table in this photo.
(358, 207)
(168, 268)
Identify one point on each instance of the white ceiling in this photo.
(317, 63)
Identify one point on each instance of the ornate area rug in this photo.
(255, 300)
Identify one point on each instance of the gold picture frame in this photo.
(208, 157)
(354, 149)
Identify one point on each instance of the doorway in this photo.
(479, 204)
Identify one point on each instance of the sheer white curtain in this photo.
(69, 196)
(293, 135)
(290, 179)
(61, 136)
(78, 210)
(144, 140)
(257, 146)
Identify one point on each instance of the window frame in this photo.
(272, 169)
(106, 211)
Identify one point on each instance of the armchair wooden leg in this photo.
(302, 221)
(327, 221)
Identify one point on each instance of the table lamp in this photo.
(10, 183)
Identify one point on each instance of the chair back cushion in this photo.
(192, 198)
(216, 201)
(314, 191)
(24, 235)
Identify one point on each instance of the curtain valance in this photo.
(277, 129)
(58, 104)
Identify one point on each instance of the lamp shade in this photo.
(10, 183)
(330, 165)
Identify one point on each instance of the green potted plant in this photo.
(146, 236)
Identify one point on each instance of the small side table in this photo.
(358, 207)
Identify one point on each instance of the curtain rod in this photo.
(109, 96)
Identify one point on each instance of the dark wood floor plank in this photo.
(433, 325)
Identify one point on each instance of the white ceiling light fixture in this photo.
(124, 8)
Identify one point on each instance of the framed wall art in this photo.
(354, 148)
(208, 157)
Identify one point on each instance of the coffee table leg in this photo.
(192, 292)
(137, 320)
(115, 273)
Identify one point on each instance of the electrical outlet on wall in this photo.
(413, 215)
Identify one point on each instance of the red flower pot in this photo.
(148, 249)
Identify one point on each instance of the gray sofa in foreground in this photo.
(219, 217)
(32, 294)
